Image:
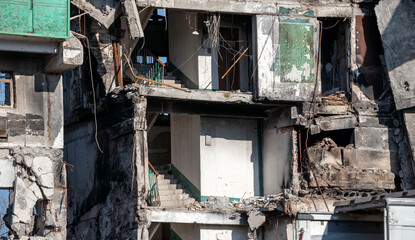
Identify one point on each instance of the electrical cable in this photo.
(312, 118)
(93, 89)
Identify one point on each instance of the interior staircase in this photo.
(170, 79)
(172, 193)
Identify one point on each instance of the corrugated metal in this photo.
(41, 18)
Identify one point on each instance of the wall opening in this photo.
(334, 56)
(370, 78)
(235, 36)
(159, 146)
(6, 89)
(151, 54)
(342, 138)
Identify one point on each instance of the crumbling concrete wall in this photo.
(107, 189)
(31, 155)
(396, 24)
(369, 153)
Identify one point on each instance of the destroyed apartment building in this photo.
(285, 119)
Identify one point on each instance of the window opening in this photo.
(334, 56)
(6, 86)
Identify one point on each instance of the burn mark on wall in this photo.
(370, 79)
(28, 124)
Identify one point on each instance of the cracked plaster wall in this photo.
(31, 157)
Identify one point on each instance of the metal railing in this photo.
(153, 198)
(148, 65)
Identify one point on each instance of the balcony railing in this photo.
(148, 65)
(153, 198)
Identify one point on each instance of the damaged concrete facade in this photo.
(34, 52)
(303, 118)
(209, 120)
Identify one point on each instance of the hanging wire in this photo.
(213, 27)
(93, 88)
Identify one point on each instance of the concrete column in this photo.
(141, 164)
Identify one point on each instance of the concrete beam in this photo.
(69, 55)
(184, 216)
(105, 12)
(214, 6)
(13, 43)
(133, 19)
(198, 95)
(207, 109)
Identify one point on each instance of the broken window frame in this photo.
(347, 45)
(8, 79)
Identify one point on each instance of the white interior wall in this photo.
(208, 68)
(185, 146)
(230, 164)
(183, 44)
(208, 60)
(186, 231)
(223, 232)
(276, 152)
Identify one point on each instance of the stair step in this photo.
(178, 203)
(176, 85)
(171, 81)
(170, 187)
(167, 181)
(165, 176)
(163, 172)
(183, 196)
(170, 192)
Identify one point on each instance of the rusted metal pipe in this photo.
(117, 62)
(224, 75)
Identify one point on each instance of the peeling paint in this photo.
(295, 57)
